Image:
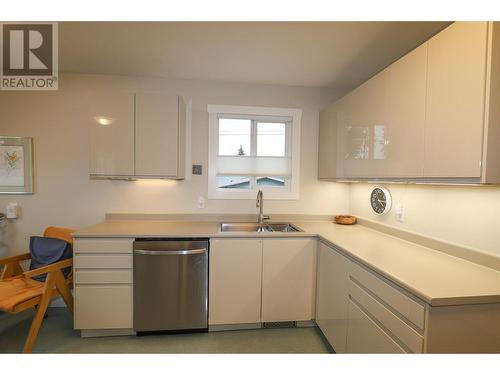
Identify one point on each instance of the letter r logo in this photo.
(27, 49)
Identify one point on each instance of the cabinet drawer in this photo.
(103, 277)
(103, 261)
(365, 336)
(103, 245)
(103, 307)
(407, 335)
(396, 299)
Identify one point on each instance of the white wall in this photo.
(66, 197)
(467, 215)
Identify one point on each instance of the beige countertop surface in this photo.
(433, 276)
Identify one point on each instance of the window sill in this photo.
(252, 194)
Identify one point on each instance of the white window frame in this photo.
(291, 190)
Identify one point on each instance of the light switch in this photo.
(201, 202)
(12, 210)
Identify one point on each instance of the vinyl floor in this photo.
(58, 336)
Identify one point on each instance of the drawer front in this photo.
(103, 277)
(103, 245)
(407, 335)
(403, 304)
(103, 307)
(103, 261)
(365, 336)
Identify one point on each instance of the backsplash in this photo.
(466, 215)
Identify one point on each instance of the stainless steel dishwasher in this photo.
(170, 285)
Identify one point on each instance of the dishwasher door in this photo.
(170, 285)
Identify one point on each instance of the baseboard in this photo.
(107, 332)
(306, 323)
(236, 327)
(233, 327)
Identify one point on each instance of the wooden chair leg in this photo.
(63, 289)
(45, 315)
(40, 312)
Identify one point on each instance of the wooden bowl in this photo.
(345, 219)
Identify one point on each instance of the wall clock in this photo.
(380, 200)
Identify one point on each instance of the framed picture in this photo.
(16, 165)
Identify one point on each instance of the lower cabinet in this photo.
(332, 296)
(103, 307)
(288, 279)
(103, 283)
(261, 280)
(235, 281)
(360, 312)
(365, 336)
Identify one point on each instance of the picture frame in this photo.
(16, 165)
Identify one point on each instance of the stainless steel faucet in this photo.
(260, 205)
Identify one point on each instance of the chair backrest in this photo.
(59, 233)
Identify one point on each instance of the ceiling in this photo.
(334, 55)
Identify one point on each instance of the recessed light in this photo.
(102, 120)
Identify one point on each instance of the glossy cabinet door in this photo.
(288, 279)
(235, 281)
(455, 101)
(332, 296)
(362, 115)
(365, 336)
(103, 307)
(423, 117)
(111, 123)
(381, 123)
(157, 135)
(398, 141)
(327, 142)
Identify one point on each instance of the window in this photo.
(251, 149)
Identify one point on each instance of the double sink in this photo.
(258, 228)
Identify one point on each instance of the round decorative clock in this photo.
(380, 200)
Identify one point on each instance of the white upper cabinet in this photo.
(430, 116)
(361, 117)
(399, 140)
(111, 119)
(137, 135)
(327, 168)
(456, 74)
(380, 125)
(157, 135)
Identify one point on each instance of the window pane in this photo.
(271, 139)
(234, 136)
(233, 182)
(271, 181)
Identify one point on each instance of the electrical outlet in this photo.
(400, 212)
(201, 202)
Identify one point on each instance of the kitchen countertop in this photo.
(435, 277)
